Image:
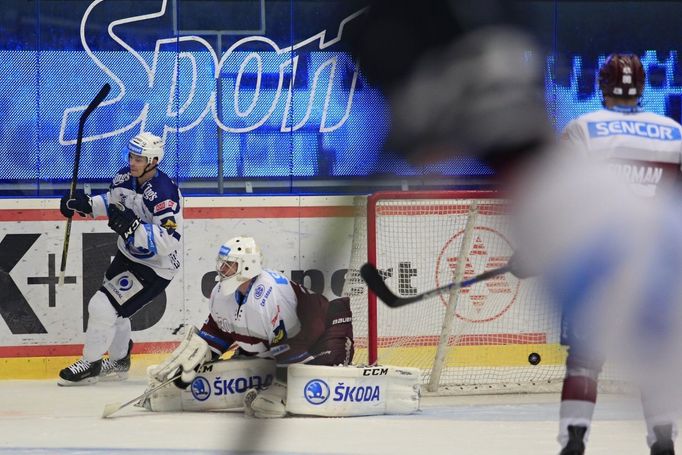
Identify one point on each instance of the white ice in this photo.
(38, 417)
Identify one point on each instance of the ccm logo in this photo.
(375, 372)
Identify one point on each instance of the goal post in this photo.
(449, 318)
(498, 335)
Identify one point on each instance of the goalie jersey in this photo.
(280, 319)
(643, 147)
(158, 205)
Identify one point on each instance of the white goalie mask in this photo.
(239, 260)
(147, 145)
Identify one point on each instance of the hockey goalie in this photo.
(293, 355)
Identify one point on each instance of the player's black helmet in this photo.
(622, 76)
(471, 84)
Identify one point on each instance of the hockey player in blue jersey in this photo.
(144, 207)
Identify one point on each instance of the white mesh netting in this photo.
(502, 326)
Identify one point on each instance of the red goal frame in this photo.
(372, 202)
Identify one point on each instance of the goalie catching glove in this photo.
(192, 352)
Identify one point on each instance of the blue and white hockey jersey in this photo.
(157, 243)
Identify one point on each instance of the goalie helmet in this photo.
(147, 145)
(622, 76)
(239, 260)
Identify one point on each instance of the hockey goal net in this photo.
(502, 335)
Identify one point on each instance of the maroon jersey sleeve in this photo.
(311, 310)
(218, 340)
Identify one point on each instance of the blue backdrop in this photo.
(264, 88)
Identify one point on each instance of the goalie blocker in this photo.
(312, 390)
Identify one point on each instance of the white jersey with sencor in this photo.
(643, 147)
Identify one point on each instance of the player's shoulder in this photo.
(581, 122)
(220, 304)
(216, 296)
(163, 184)
(122, 179)
(653, 117)
(595, 116)
(268, 285)
(160, 195)
(215, 289)
(268, 276)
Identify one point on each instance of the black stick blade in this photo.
(375, 282)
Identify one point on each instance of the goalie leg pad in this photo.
(352, 391)
(166, 399)
(217, 385)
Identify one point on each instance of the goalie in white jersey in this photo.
(643, 147)
(294, 348)
(145, 209)
(269, 316)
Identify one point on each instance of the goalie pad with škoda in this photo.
(340, 391)
(352, 390)
(217, 385)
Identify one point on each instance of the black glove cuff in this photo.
(180, 384)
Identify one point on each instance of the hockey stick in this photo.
(376, 283)
(111, 408)
(104, 91)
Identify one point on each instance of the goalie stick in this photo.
(103, 92)
(376, 283)
(112, 408)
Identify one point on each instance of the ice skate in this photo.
(664, 444)
(116, 370)
(80, 373)
(576, 444)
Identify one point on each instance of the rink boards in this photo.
(306, 238)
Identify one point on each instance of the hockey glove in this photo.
(79, 203)
(122, 220)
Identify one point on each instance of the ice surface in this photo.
(38, 417)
